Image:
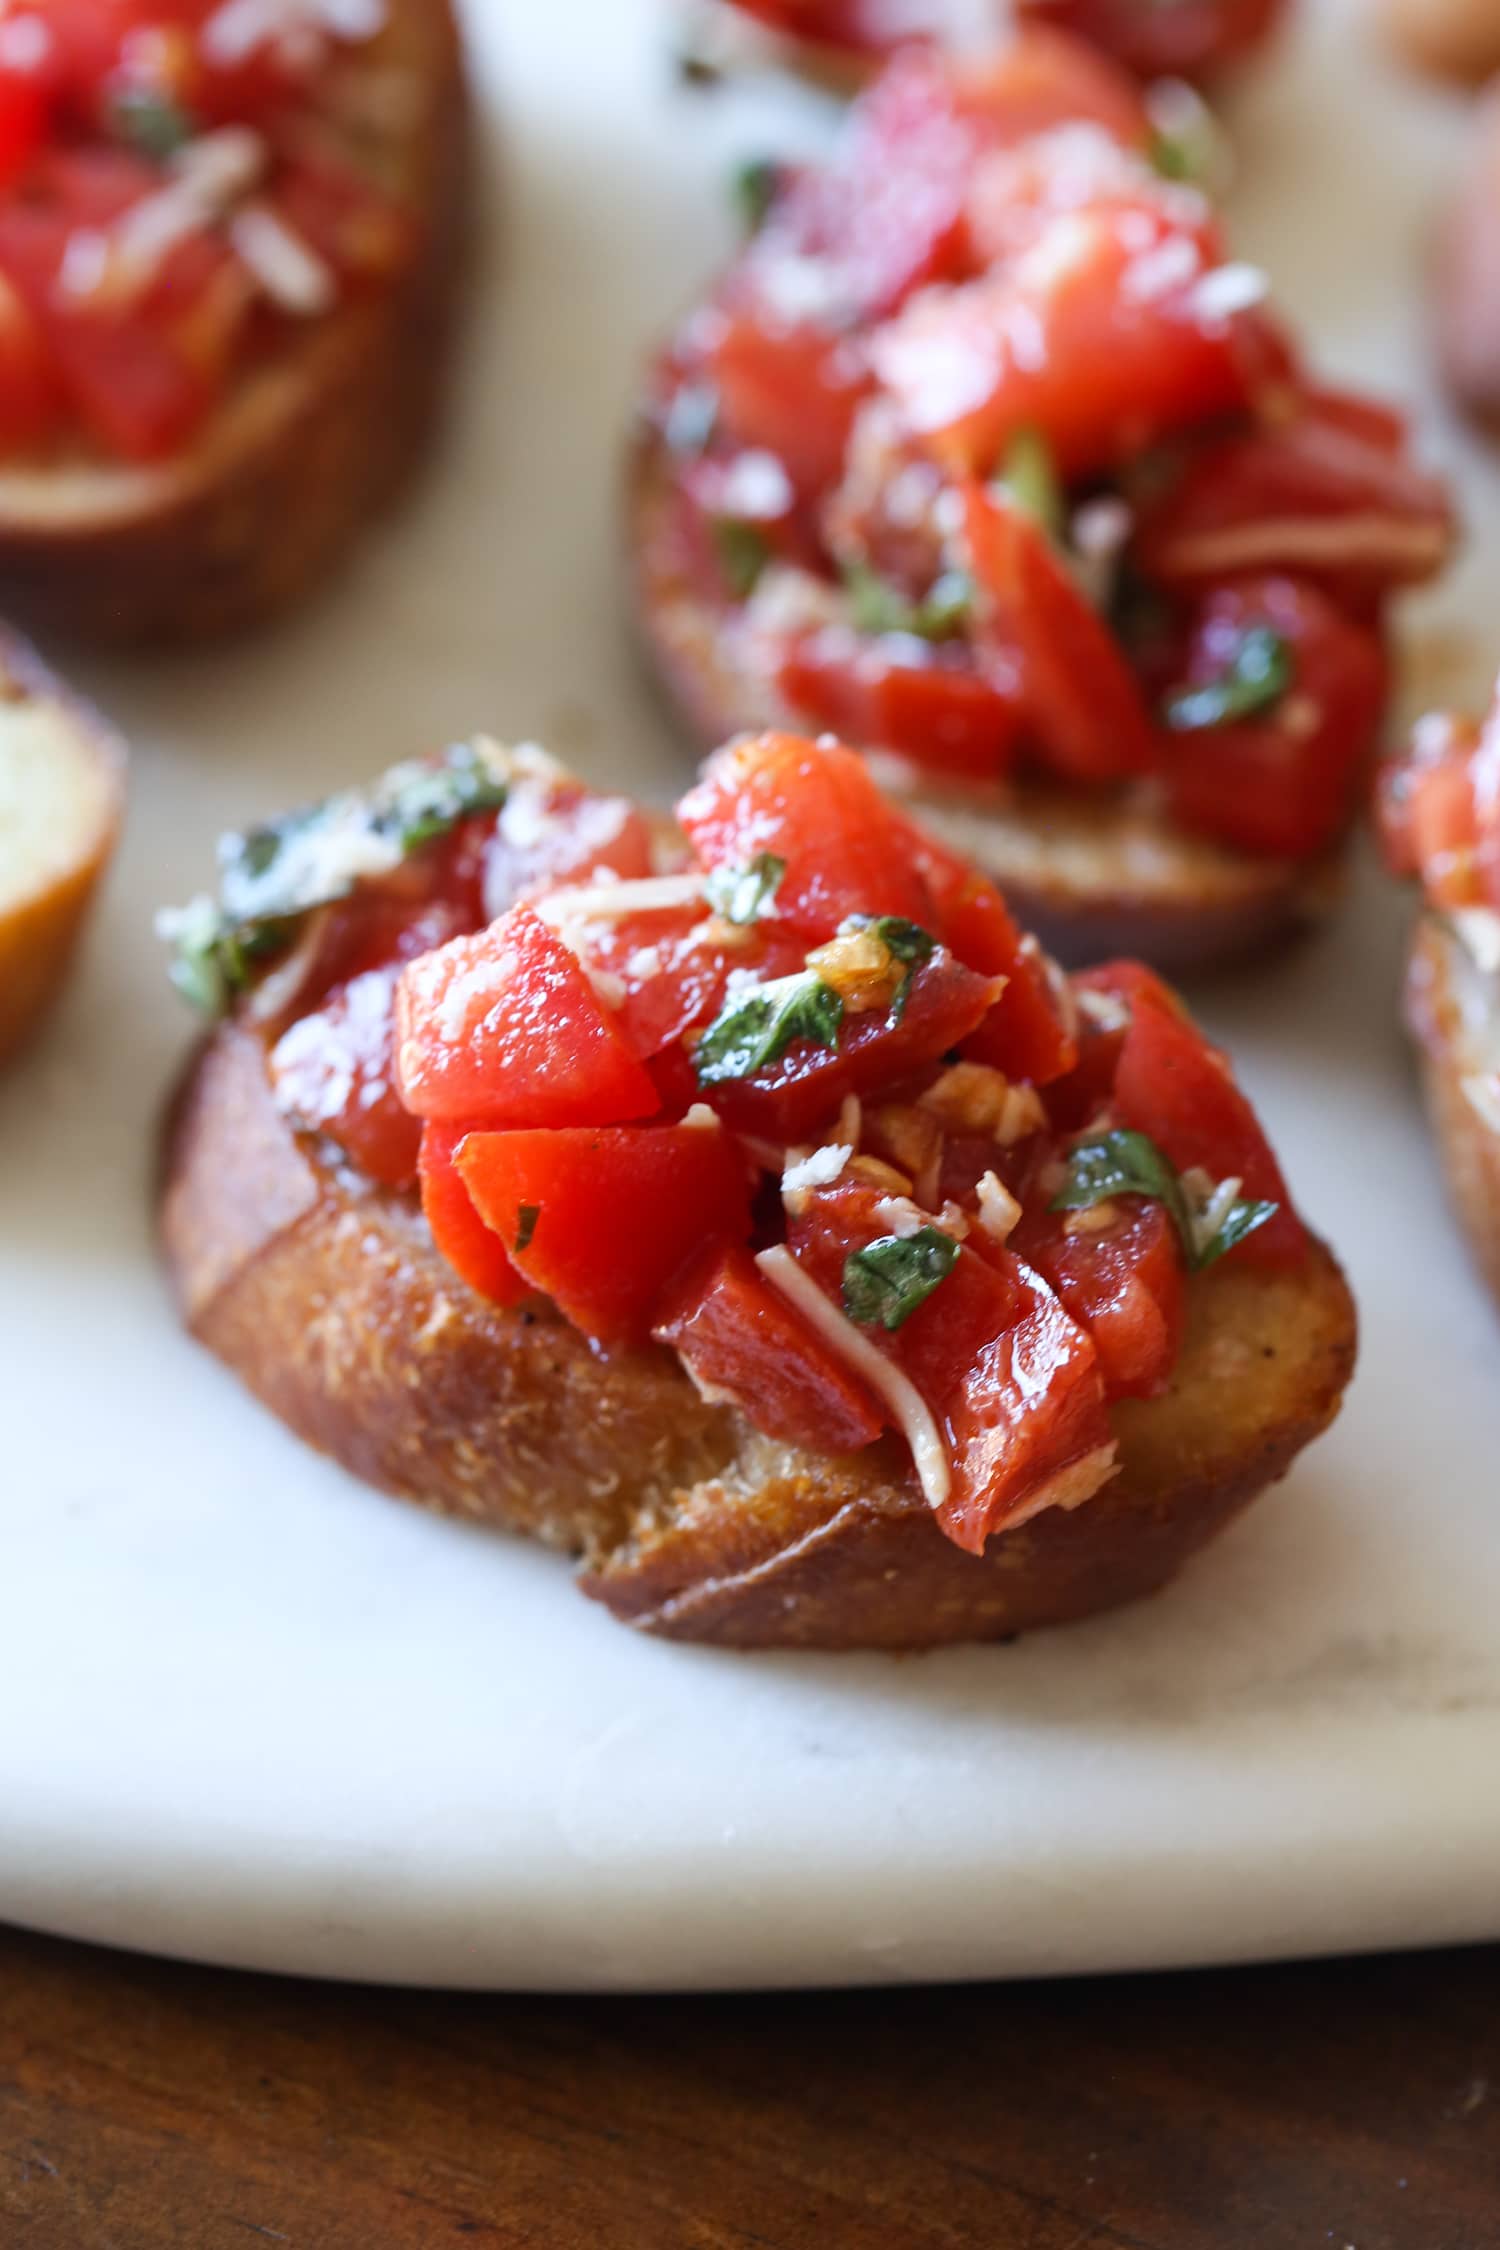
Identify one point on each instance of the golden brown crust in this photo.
(41, 922)
(304, 451)
(1092, 876)
(330, 1301)
(1451, 1009)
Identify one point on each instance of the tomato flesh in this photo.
(504, 1028)
(740, 1338)
(333, 1072)
(1124, 1283)
(938, 709)
(475, 1251)
(604, 1221)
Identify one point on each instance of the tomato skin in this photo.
(941, 711)
(1172, 1085)
(333, 1072)
(737, 1335)
(1071, 341)
(1194, 39)
(23, 120)
(790, 391)
(1012, 1381)
(1124, 1284)
(799, 1095)
(1079, 695)
(817, 809)
(620, 1212)
(475, 1252)
(1027, 1032)
(504, 1029)
(1325, 494)
(1439, 811)
(1039, 78)
(28, 388)
(1286, 782)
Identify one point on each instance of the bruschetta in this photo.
(1440, 819)
(748, 1208)
(843, 40)
(1465, 281)
(62, 775)
(229, 245)
(986, 455)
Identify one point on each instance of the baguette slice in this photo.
(329, 1300)
(62, 775)
(302, 451)
(1453, 1010)
(1091, 875)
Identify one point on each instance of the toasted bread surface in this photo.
(1091, 874)
(1453, 1009)
(302, 451)
(328, 1298)
(61, 797)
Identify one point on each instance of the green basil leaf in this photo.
(149, 122)
(526, 1219)
(742, 894)
(886, 1281)
(754, 186)
(756, 1025)
(742, 551)
(1240, 1220)
(1258, 676)
(213, 961)
(1031, 483)
(878, 607)
(1130, 1163)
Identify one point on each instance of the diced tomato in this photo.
(333, 1072)
(28, 393)
(1037, 79)
(504, 1028)
(799, 1094)
(134, 389)
(1080, 698)
(551, 833)
(341, 218)
(1193, 39)
(1284, 781)
(1123, 1283)
(814, 806)
(604, 1221)
(23, 115)
(935, 706)
(1027, 1032)
(473, 1250)
(1440, 811)
(790, 391)
(1176, 1088)
(1101, 337)
(739, 1338)
(1012, 1381)
(1324, 494)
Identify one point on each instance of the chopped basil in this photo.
(271, 876)
(1187, 141)
(1029, 480)
(907, 941)
(742, 551)
(876, 606)
(1129, 1163)
(742, 894)
(886, 1281)
(758, 1023)
(754, 186)
(149, 122)
(526, 1219)
(691, 419)
(1257, 677)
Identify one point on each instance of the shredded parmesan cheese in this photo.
(612, 902)
(293, 276)
(912, 1414)
(820, 1169)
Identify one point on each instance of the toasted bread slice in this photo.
(1453, 1010)
(303, 450)
(1091, 875)
(62, 777)
(329, 1300)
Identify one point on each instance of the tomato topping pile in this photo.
(987, 454)
(179, 187)
(1154, 38)
(783, 1090)
(1440, 812)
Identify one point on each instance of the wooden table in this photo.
(1356, 2104)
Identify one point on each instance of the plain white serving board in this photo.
(253, 1713)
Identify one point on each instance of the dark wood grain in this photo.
(145, 2106)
